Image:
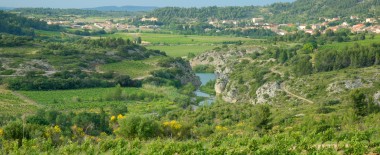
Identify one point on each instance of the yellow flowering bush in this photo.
(120, 116)
(220, 128)
(55, 134)
(113, 119)
(172, 128)
(1, 132)
(78, 133)
(57, 129)
(173, 124)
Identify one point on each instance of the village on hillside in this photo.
(353, 23)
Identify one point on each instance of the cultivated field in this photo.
(133, 68)
(182, 50)
(180, 45)
(139, 100)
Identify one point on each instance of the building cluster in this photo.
(360, 25)
(107, 25)
(353, 23)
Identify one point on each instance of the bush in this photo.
(331, 102)
(204, 69)
(137, 127)
(325, 110)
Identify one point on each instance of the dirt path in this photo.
(26, 99)
(142, 77)
(283, 87)
(273, 70)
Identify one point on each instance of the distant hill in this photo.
(18, 25)
(6, 8)
(297, 11)
(123, 8)
(303, 10)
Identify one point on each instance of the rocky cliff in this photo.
(187, 74)
(230, 88)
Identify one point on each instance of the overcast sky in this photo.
(158, 3)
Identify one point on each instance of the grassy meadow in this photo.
(133, 68)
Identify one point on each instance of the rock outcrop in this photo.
(228, 89)
(341, 86)
(376, 98)
(187, 74)
(267, 91)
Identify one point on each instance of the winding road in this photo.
(283, 87)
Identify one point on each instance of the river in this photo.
(205, 77)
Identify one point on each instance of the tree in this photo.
(308, 48)
(136, 126)
(262, 118)
(116, 94)
(15, 130)
(362, 105)
(283, 57)
(138, 40)
(302, 65)
(358, 99)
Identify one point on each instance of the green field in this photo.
(13, 105)
(180, 45)
(341, 45)
(182, 50)
(94, 98)
(133, 68)
(43, 33)
(155, 38)
(18, 50)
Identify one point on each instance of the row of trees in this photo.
(328, 59)
(7, 40)
(355, 56)
(70, 80)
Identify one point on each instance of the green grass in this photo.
(341, 45)
(18, 50)
(182, 50)
(43, 33)
(135, 69)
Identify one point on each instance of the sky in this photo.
(158, 3)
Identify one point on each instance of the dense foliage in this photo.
(170, 14)
(298, 11)
(19, 25)
(353, 56)
(70, 80)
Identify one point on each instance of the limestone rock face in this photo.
(341, 86)
(267, 91)
(376, 98)
(187, 75)
(228, 89)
